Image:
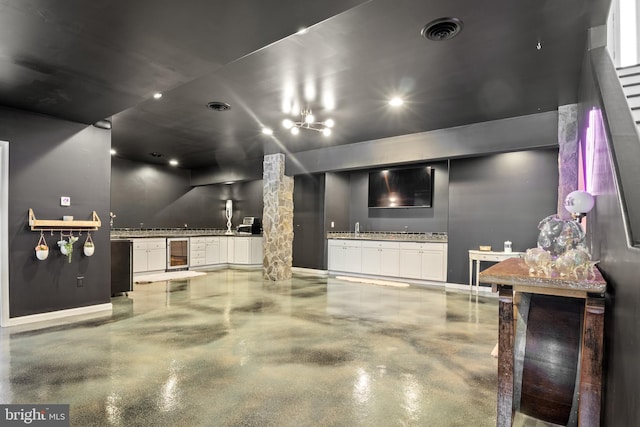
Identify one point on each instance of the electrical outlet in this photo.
(80, 281)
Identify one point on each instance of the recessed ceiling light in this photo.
(267, 131)
(228, 183)
(303, 30)
(113, 152)
(173, 162)
(157, 95)
(396, 101)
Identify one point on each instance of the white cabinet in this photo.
(149, 255)
(212, 250)
(241, 250)
(380, 258)
(246, 250)
(256, 250)
(197, 251)
(345, 255)
(425, 261)
(411, 260)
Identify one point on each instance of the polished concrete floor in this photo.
(229, 349)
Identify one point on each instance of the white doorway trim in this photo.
(4, 233)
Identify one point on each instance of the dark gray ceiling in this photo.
(90, 60)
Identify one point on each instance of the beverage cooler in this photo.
(121, 267)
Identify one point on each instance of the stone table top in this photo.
(514, 272)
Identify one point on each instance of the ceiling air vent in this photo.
(218, 106)
(442, 29)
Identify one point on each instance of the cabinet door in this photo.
(256, 250)
(433, 264)
(336, 257)
(353, 258)
(389, 262)
(140, 260)
(224, 249)
(371, 258)
(157, 259)
(410, 263)
(241, 250)
(212, 252)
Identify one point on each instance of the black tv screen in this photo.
(401, 188)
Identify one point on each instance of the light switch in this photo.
(65, 201)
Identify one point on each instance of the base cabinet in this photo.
(424, 261)
(345, 255)
(149, 255)
(411, 260)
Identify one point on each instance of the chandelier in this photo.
(309, 122)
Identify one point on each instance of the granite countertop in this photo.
(139, 233)
(440, 237)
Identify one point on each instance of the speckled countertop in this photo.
(389, 235)
(138, 233)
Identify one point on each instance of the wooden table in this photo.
(512, 280)
(479, 256)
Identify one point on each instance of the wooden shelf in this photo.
(53, 224)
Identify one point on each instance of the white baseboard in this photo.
(59, 314)
(310, 271)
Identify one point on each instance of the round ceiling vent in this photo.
(442, 29)
(155, 154)
(218, 106)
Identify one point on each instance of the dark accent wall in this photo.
(336, 201)
(308, 221)
(513, 134)
(50, 158)
(497, 198)
(162, 197)
(433, 219)
(619, 263)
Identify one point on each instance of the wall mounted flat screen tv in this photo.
(401, 188)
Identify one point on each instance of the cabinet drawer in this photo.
(194, 262)
(140, 245)
(380, 245)
(197, 246)
(210, 240)
(197, 240)
(157, 244)
(198, 254)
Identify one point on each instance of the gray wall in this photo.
(432, 219)
(308, 221)
(619, 263)
(162, 197)
(497, 198)
(50, 158)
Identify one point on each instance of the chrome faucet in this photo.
(357, 229)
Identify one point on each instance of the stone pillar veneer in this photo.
(568, 155)
(277, 219)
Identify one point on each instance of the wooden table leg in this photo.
(591, 363)
(505, 357)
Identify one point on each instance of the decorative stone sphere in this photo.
(558, 236)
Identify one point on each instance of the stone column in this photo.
(277, 219)
(568, 155)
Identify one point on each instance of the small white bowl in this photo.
(67, 218)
